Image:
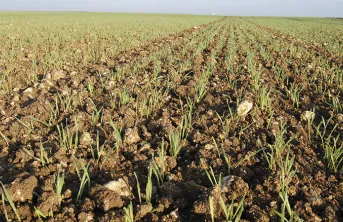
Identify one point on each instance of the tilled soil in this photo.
(74, 122)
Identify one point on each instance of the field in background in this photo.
(129, 117)
(36, 43)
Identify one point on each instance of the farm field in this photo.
(146, 117)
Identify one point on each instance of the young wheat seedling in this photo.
(100, 150)
(159, 169)
(211, 205)
(90, 87)
(66, 138)
(294, 94)
(84, 179)
(6, 195)
(286, 208)
(39, 213)
(117, 136)
(138, 188)
(176, 143)
(229, 212)
(43, 158)
(59, 182)
(264, 100)
(277, 149)
(129, 213)
(334, 153)
(148, 189)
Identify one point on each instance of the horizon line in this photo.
(164, 13)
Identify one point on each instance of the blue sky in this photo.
(329, 8)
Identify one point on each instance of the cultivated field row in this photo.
(229, 120)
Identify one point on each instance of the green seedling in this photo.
(5, 195)
(226, 124)
(334, 153)
(294, 94)
(59, 183)
(159, 169)
(100, 150)
(117, 136)
(43, 158)
(90, 87)
(64, 103)
(66, 138)
(148, 189)
(29, 127)
(279, 147)
(138, 188)
(211, 176)
(4, 137)
(287, 210)
(46, 124)
(124, 97)
(84, 179)
(211, 205)
(264, 99)
(201, 87)
(286, 170)
(129, 213)
(39, 213)
(176, 143)
(322, 131)
(229, 210)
